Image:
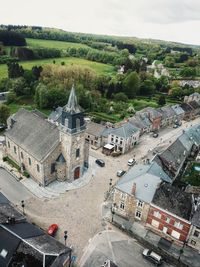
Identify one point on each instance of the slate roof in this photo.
(6, 210)
(125, 131)
(34, 134)
(178, 110)
(137, 122)
(194, 104)
(186, 107)
(167, 112)
(72, 105)
(146, 177)
(95, 129)
(173, 200)
(152, 113)
(144, 118)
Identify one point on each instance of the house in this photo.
(196, 107)
(154, 117)
(139, 123)
(179, 113)
(189, 111)
(172, 159)
(169, 213)
(24, 244)
(193, 97)
(123, 138)
(54, 149)
(94, 133)
(134, 192)
(145, 122)
(194, 235)
(168, 116)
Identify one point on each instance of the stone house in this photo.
(179, 113)
(169, 213)
(49, 150)
(123, 138)
(192, 97)
(134, 192)
(144, 121)
(168, 116)
(196, 107)
(139, 123)
(154, 117)
(189, 111)
(194, 235)
(94, 133)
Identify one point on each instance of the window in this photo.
(53, 168)
(167, 220)
(122, 206)
(123, 196)
(66, 122)
(15, 150)
(138, 214)
(193, 242)
(140, 203)
(88, 136)
(155, 223)
(8, 144)
(175, 234)
(22, 156)
(3, 253)
(38, 168)
(112, 139)
(120, 142)
(178, 225)
(196, 233)
(77, 152)
(157, 214)
(29, 161)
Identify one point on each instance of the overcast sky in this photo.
(175, 20)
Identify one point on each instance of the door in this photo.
(77, 173)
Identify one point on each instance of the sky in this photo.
(171, 20)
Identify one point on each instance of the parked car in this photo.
(120, 173)
(152, 256)
(155, 135)
(175, 126)
(100, 162)
(131, 162)
(52, 229)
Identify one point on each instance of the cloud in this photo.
(175, 20)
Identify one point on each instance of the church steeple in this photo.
(72, 105)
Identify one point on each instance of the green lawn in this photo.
(99, 68)
(191, 175)
(61, 45)
(139, 104)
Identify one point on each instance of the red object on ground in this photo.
(52, 229)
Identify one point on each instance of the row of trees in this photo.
(12, 38)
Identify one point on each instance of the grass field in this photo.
(99, 68)
(52, 44)
(191, 175)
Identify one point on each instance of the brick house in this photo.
(189, 111)
(168, 116)
(134, 192)
(154, 116)
(169, 213)
(194, 235)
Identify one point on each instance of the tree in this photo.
(188, 72)
(120, 97)
(20, 87)
(15, 70)
(131, 85)
(4, 113)
(161, 100)
(147, 87)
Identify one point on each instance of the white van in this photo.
(152, 256)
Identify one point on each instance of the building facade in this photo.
(49, 150)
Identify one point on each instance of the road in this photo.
(12, 189)
(117, 247)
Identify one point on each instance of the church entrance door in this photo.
(77, 173)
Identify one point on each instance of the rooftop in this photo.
(95, 129)
(146, 177)
(173, 200)
(35, 135)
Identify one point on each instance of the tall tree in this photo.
(4, 113)
(15, 70)
(131, 85)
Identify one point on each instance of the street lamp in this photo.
(23, 205)
(65, 236)
(113, 211)
(181, 250)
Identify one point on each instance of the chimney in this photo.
(133, 190)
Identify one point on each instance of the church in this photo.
(49, 149)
